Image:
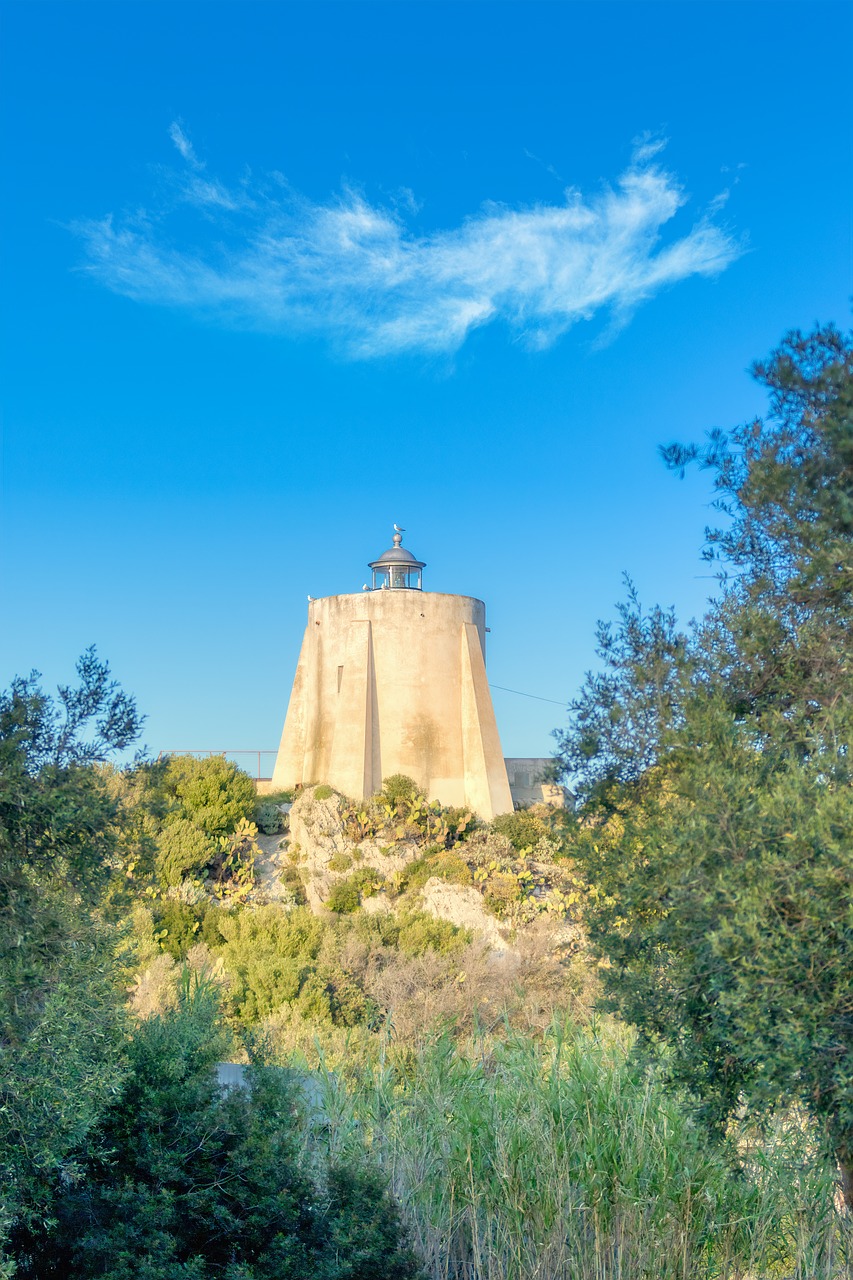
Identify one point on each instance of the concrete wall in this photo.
(528, 786)
(395, 682)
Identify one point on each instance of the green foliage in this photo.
(61, 1058)
(460, 823)
(340, 862)
(444, 865)
(213, 794)
(234, 865)
(522, 828)
(206, 808)
(565, 1156)
(402, 813)
(141, 807)
(183, 1179)
(323, 792)
(368, 881)
(623, 711)
(399, 789)
(719, 838)
(269, 954)
(418, 932)
(176, 924)
(268, 817)
(344, 897)
(61, 1021)
(184, 848)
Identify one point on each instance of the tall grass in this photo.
(562, 1158)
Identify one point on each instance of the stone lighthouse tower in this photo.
(392, 679)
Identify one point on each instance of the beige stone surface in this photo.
(395, 682)
(463, 906)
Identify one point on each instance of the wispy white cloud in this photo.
(354, 271)
(183, 144)
(647, 146)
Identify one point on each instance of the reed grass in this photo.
(564, 1158)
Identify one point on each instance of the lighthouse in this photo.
(392, 679)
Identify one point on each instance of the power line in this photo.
(536, 696)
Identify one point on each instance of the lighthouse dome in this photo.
(397, 568)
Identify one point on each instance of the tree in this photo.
(181, 1178)
(61, 1022)
(720, 840)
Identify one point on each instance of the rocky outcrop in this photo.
(321, 845)
(325, 854)
(463, 906)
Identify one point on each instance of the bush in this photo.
(214, 794)
(184, 848)
(344, 897)
(445, 865)
(368, 881)
(399, 788)
(178, 925)
(268, 954)
(419, 932)
(184, 1179)
(210, 932)
(451, 868)
(269, 818)
(501, 890)
(522, 829)
(323, 792)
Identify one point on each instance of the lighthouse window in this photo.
(340, 677)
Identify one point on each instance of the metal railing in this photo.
(203, 752)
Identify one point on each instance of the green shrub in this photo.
(233, 870)
(323, 792)
(344, 897)
(399, 788)
(340, 862)
(184, 848)
(214, 793)
(451, 868)
(522, 829)
(201, 1182)
(314, 1002)
(419, 932)
(501, 890)
(368, 881)
(268, 954)
(416, 874)
(444, 864)
(182, 925)
(210, 932)
(291, 877)
(349, 1003)
(268, 818)
(460, 822)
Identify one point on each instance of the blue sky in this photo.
(278, 275)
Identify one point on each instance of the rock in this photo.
(463, 906)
